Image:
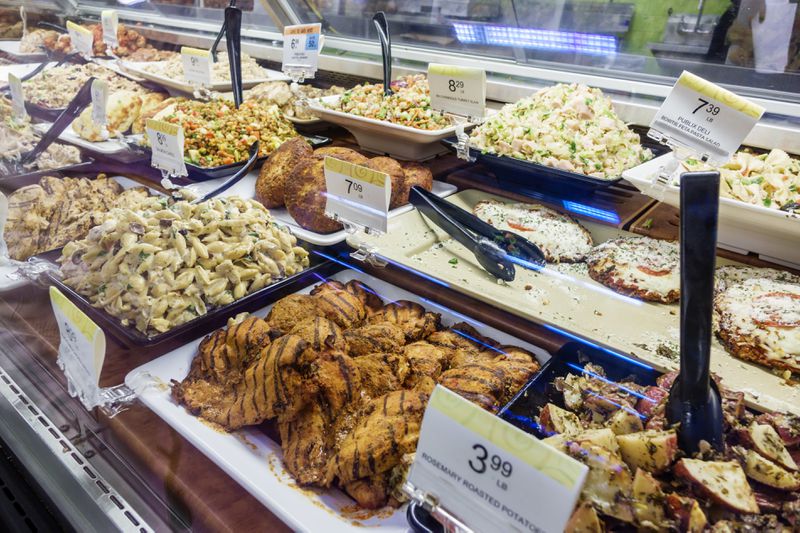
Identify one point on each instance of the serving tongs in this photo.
(221, 32)
(233, 38)
(83, 98)
(497, 251)
(230, 182)
(694, 402)
(382, 26)
(41, 67)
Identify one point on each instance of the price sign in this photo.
(301, 46)
(704, 118)
(490, 474)
(457, 90)
(82, 349)
(17, 97)
(166, 144)
(196, 66)
(357, 194)
(110, 22)
(82, 39)
(99, 100)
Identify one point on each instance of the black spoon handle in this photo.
(230, 182)
(382, 25)
(50, 26)
(220, 34)
(81, 100)
(233, 37)
(699, 211)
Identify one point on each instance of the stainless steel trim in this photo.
(73, 465)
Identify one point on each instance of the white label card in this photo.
(490, 474)
(110, 23)
(357, 194)
(301, 46)
(196, 66)
(82, 39)
(82, 350)
(99, 100)
(457, 90)
(704, 118)
(166, 145)
(17, 98)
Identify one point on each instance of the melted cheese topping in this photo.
(766, 310)
(560, 237)
(728, 275)
(640, 263)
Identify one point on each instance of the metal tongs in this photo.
(82, 99)
(497, 251)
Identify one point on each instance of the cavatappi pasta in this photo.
(162, 263)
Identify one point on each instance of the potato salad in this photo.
(569, 127)
(161, 262)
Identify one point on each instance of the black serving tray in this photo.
(511, 170)
(521, 411)
(197, 173)
(201, 325)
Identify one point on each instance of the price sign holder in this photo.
(166, 146)
(23, 15)
(301, 46)
(704, 119)
(110, 24)
(478, 472)
(357, 196)
(99, 101)
(459, 92)
(17, 98)
(82, 39)
(196, 66)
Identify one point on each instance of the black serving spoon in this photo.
(233, 38)
(230, 182)
(382, 25)
(694, 401)
(222, 31)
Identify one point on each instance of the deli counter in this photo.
(243, 289)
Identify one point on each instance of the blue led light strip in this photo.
(566, 41)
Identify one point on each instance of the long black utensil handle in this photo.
(50, 26)
(699, 214)
(233, 37)
(242, 172)
(81, 100)
(382, 26)
(220, 34)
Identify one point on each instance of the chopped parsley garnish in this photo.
(143, 256)
(453, 261)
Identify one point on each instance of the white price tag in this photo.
(457, 90)
(82, 39)
(357, 194)
(99, 100)
(166, 145)
(196, 66)
(82, 349)
(301, 46)
(490, 474)
(17, 97)
(110, 23)
(705, 118)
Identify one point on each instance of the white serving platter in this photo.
(773, 235)
(12, 48)
(136, 69)
(8, 277)
(379, 136)
(17, 70)
(111, 146)
(247, 186)
(254, 460)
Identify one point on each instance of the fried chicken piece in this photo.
(290, 311)
(381, 373)
(381, 337)
(371, 492)
(372, 302)
(387, 429)
(338, 379)
(424, 360)
(410, 317)
(342, 307)
(462, 336)
(481, 383)
(307, 446)
(320, 333)
(519, 366)
(462, 357)
(273, 385)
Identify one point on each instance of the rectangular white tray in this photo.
(136, 69)
(111, 146)
(380, 136)
(254, 460)
(247, 186)
(743, 227)
(12, 48)
(17, 70)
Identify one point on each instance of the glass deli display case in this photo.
(233, 297)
